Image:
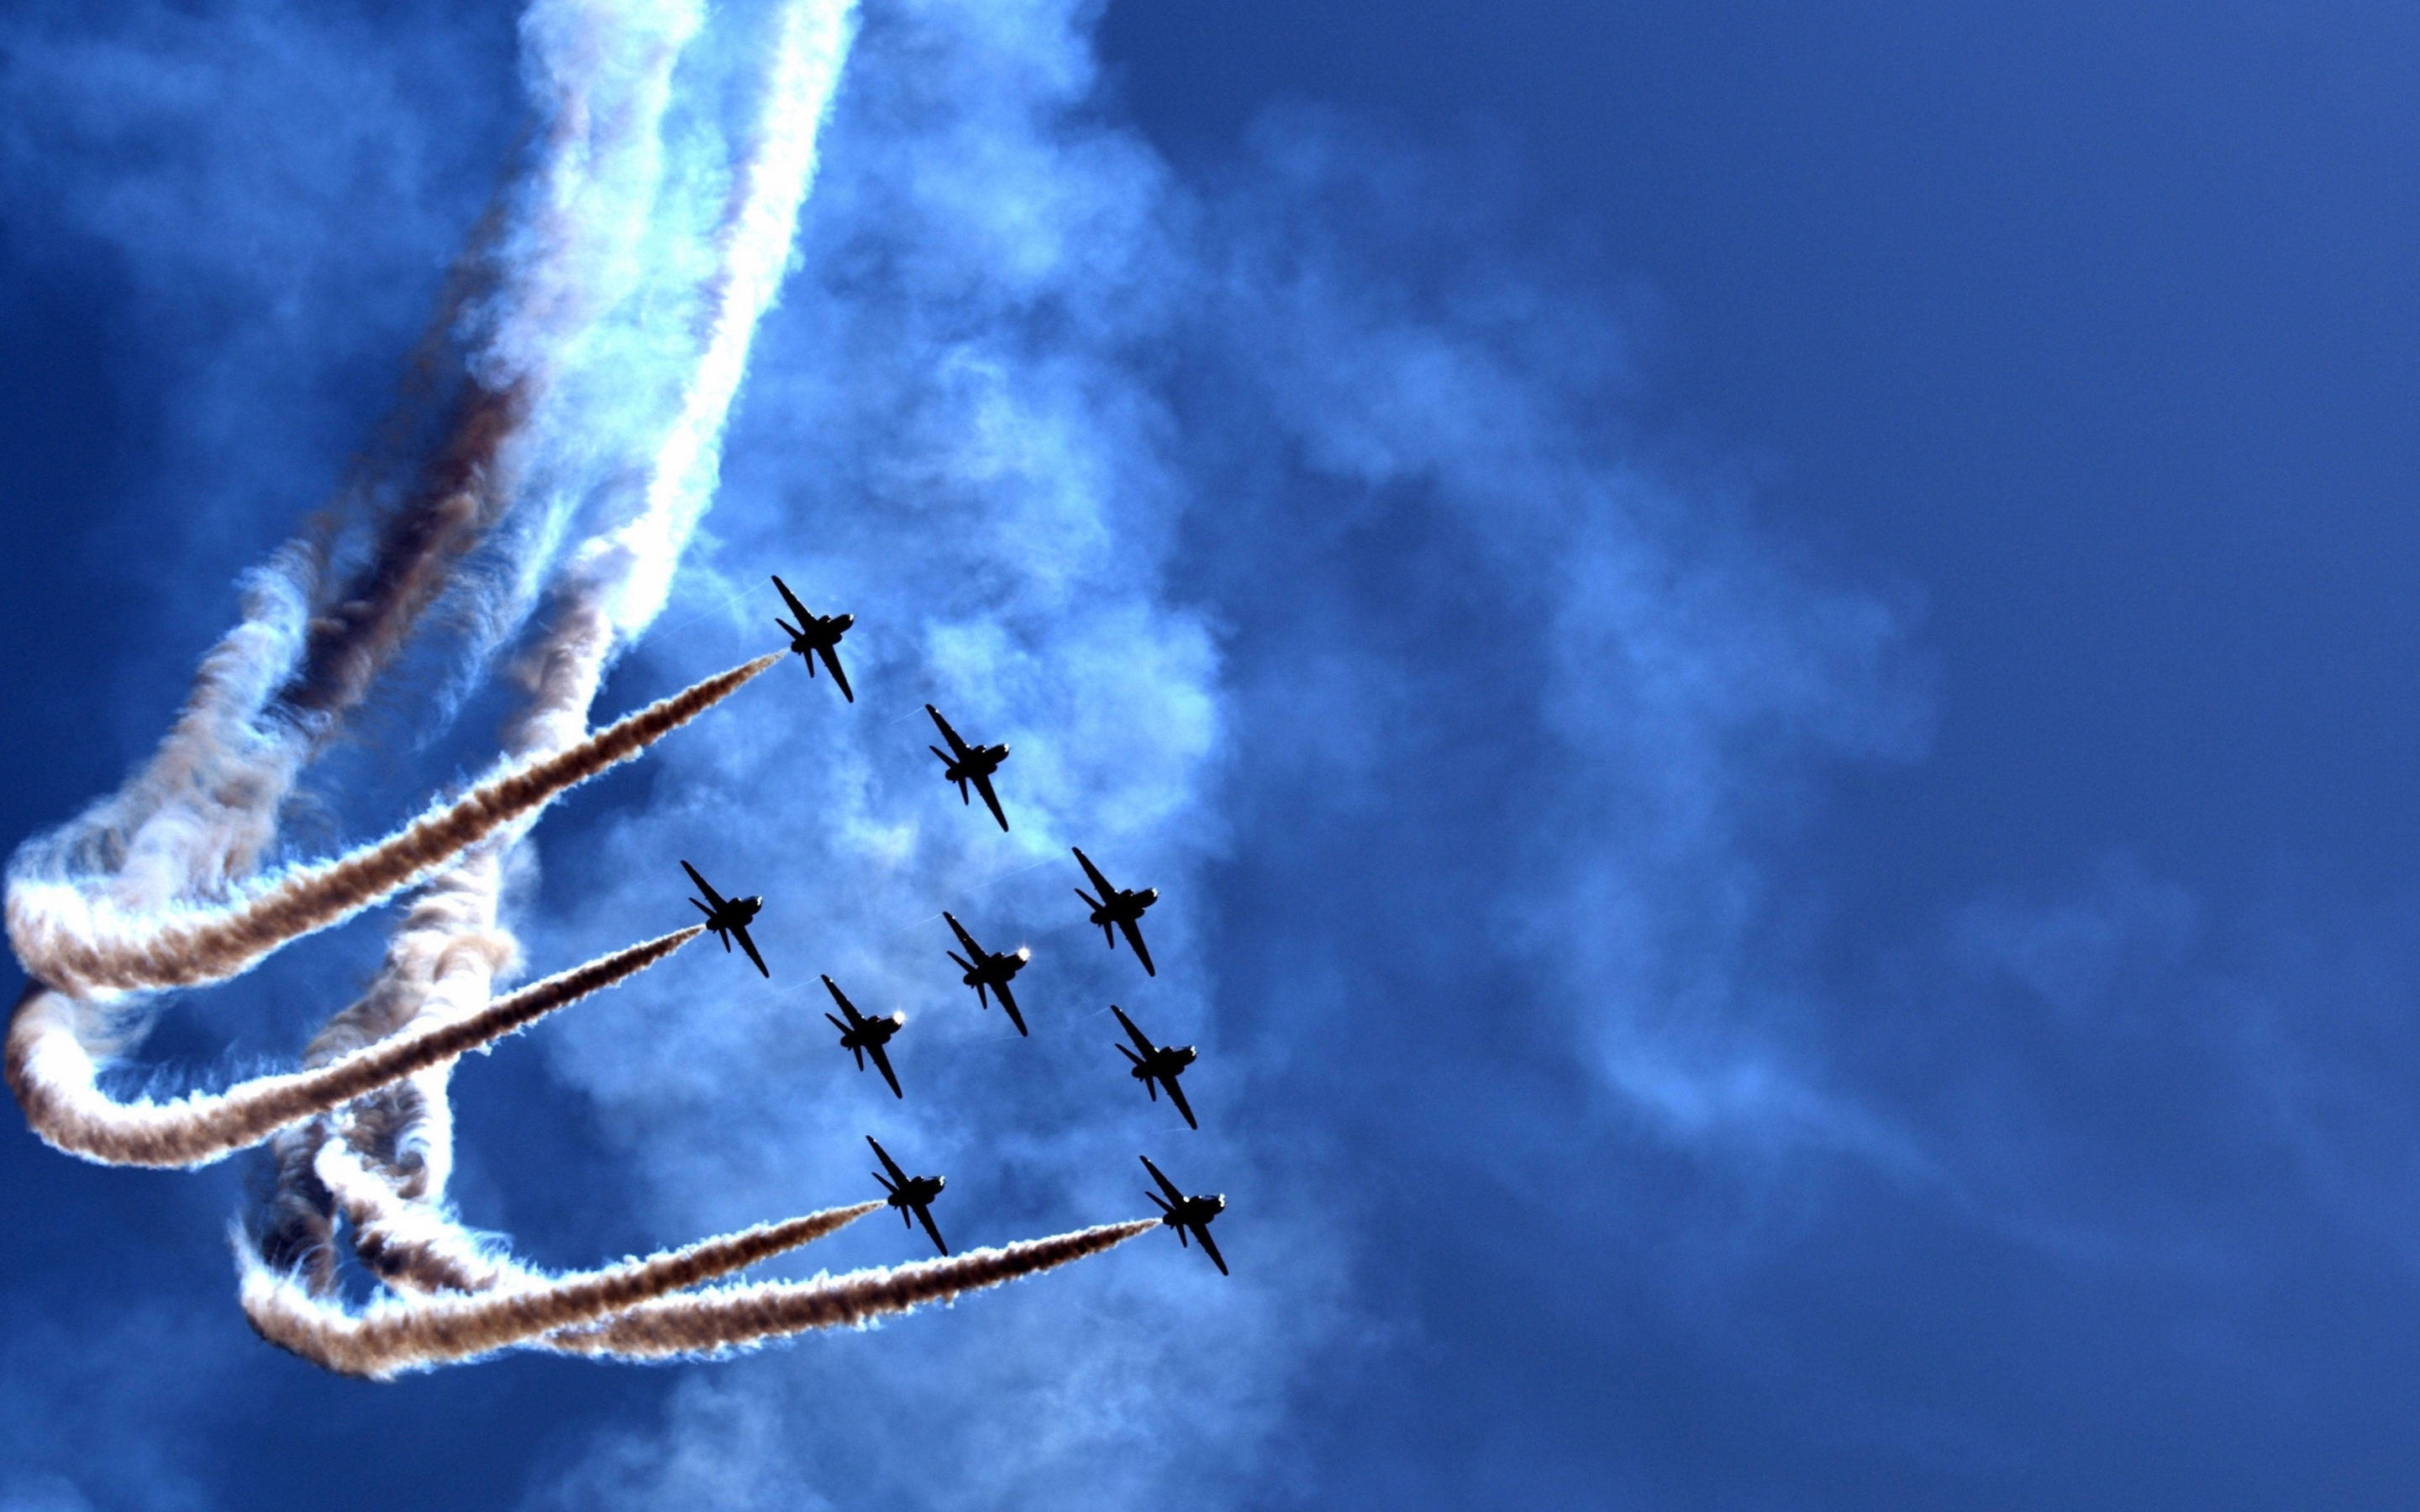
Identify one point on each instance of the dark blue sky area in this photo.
(2094, 324)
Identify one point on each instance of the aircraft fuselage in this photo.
(1168, 1060)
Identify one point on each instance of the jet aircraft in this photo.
(1120, 907)
(990, 972)
(728, 916)
(1158, 1066)
(862, 1037)
(915, 1194)
(1183, 1214)
(817, 635)
(963, 764)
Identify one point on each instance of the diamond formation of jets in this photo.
(728, 916)
(915, 1194)
(987, 972)
(1158, 1065)
(963, 764)
(1114, 910)
(1121, 907)
(1188, 1215)
(817, 635)
(862, 1037)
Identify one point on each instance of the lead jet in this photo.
(989, 972)
(1120, 907)
(963, 764)
(1183, 1213)
(1158, 1066)
(729, 917)
(862, 1037)
(914, 1193)
(817, 635)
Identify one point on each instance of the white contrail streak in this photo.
(733, 1317)
(634, 563)
(53, 1077)
(90, 948)
(393, 1336)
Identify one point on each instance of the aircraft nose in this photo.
(844, 621)
(1218, 1203)
(940, 1183)
(899, 1020)
(1025, 952)
(1151, 895)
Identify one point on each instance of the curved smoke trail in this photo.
(53, 1077)
(91, 948)
(391, 1337)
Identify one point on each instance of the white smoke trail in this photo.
(54, 1078)
(393, 1336)
(200, 814)
(631, 565)
(92, 948)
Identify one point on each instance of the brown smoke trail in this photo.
(411, 1245)
(393, 1336)
(734, 1318)
(464, 489)
(52, 1076)
(388, 1169)
(107, 952)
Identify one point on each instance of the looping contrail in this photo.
(526, 495)
(83, 944)
(53, 1077)
(391, 1337)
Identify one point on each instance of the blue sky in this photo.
(1764, 656)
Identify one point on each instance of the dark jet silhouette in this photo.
(817, 635)
(1181, 1213)
(862, 1037)
(1120, 907)
(915, 1194)
(1158, 1066)
(963, 764)
(990, 972)
(728, 916)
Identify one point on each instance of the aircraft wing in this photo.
(831, 659)
(947, 734)
(964, 938)
(924, 1217)
(1176, 1095)
(792, 600)
(846, 1007)
(882, 1064)
(1133, 932)
(898, 1176)
(1157, 1174)
(1132, 1033)
(991, 800)
(1100, 883)
(750, 946)
(1202, 1232)
(703, 886)
(1000, 989)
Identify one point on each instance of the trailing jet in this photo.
(987, 971)
(914, 1193)
(1158, 1066)
(728, 916)
(1120, 907)
(963, 764)
(817, 635)
(862, 1037)
(1183, 1214)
